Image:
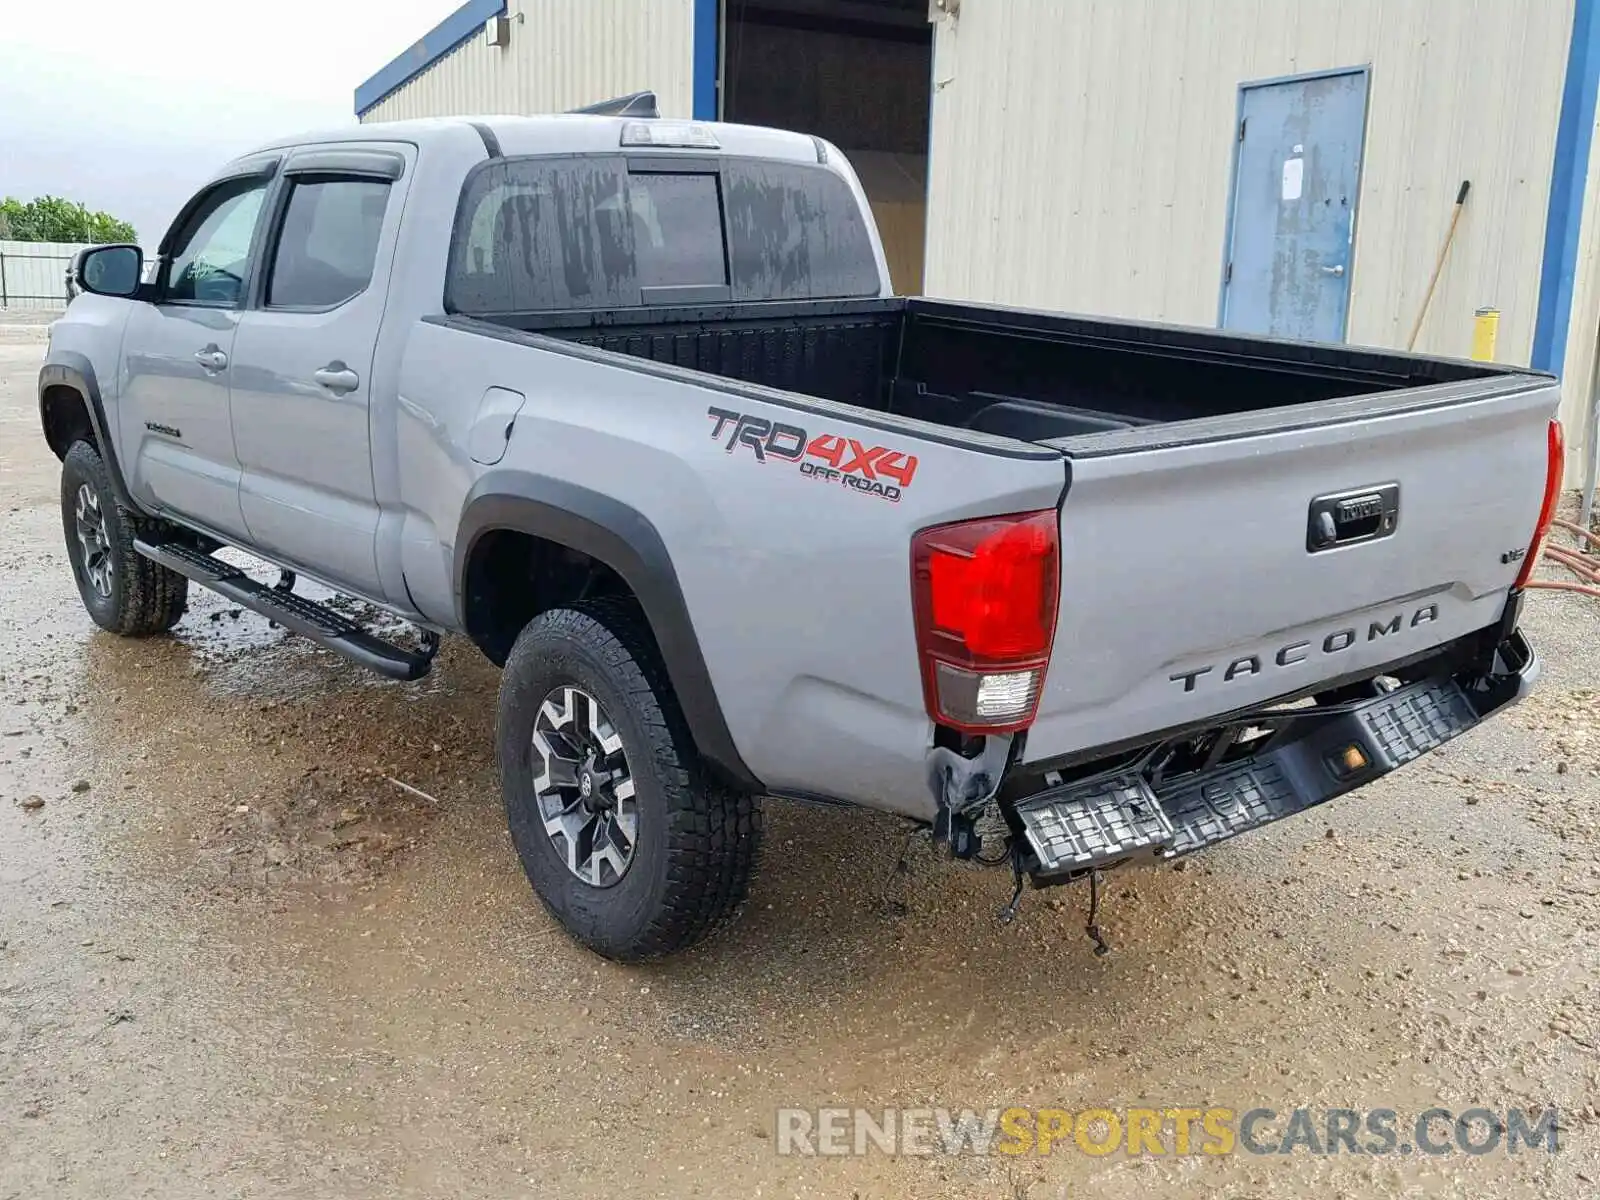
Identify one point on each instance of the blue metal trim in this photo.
(1365, 70)
(1565, 215)
(1233, 204)
(435, 44)
(707, 20)
(1304, 76)
(1355, 209)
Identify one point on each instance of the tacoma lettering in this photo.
(1294, 653)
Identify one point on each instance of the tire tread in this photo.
(714, 831)
(152, 597)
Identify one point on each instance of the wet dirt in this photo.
(237, 959)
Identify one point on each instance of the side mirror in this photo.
(108, 270)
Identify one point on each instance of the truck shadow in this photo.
(835, 932)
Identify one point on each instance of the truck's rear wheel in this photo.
(123, 591)
(628, 845)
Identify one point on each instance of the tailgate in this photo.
(1194, 582)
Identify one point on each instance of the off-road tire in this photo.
(698, 840)
(145, 598)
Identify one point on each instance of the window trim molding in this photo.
(358, 163)
(257, 166)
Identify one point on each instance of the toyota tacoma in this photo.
(631, 404)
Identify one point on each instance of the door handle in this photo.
(211, 358)
(1336, 269)
(337, 377)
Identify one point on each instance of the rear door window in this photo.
(329, 241)
(542, 234)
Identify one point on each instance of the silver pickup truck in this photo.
(631, 404)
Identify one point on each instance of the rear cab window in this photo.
(611, 231)
(677, 230)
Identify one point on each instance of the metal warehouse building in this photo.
(1282, 166)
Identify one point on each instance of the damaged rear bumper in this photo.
(1307, 760)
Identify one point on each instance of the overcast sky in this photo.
(127, 105)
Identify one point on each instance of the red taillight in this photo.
(985, 594)
(1555, 471)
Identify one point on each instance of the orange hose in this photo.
(1567, 587)
(1587, 571)
(1577, 530)
(1575, 560)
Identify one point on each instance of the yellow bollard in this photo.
(1485, 329)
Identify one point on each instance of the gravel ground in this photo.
(236, 960)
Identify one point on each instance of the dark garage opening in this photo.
(857, 73)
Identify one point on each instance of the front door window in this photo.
(209, 261)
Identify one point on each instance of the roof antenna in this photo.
(635, 104)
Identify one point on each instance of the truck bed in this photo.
(1243, 520)
(1028, 375)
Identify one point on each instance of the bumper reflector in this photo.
(1349, 760)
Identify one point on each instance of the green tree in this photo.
(52, 219)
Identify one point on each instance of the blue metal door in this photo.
(1292, 226)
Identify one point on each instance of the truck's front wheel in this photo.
(631, 848)
(123, 591)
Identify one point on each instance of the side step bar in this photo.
(1107, 820)
(294, 613)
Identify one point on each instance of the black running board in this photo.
(295, 613)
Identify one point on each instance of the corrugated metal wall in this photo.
(1082, 153)
(1082, 149)
(563, 54)
(34, 274)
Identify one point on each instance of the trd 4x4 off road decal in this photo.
(876, 470)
